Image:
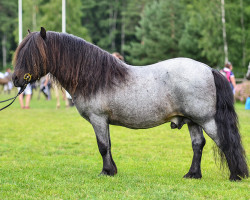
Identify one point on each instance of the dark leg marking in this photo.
(101, 128)
(198, 142)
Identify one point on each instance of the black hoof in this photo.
(109, 172)
(193, 175)
(106, 173)
(234, 178)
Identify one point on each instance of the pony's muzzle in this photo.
(15, 80)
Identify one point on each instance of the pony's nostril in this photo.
(16, 79)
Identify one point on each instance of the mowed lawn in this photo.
(52, 154)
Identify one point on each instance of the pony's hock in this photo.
(107, 91)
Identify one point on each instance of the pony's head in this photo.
(30, 59)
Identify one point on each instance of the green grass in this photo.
(52, 154)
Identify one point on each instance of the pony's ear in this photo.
(43, 33)
(29, 31)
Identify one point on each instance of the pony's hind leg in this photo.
(231, 149)
(101, 129)
(198, 142)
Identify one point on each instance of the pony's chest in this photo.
(86, 108)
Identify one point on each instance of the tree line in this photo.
(144, 32)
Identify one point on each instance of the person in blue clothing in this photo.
(227, 72)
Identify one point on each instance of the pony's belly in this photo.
(140, 108)
(133, 124)
(141, 121)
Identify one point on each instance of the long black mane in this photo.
(77, 64)
(82, 66)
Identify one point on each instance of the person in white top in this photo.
(28, 93)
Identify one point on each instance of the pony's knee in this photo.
(103, 147)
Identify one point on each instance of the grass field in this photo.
(52, 154)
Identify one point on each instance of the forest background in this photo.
(144, 32)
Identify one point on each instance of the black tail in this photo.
(227, 129)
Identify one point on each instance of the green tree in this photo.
(246, 30)
(159, 32)
(238, 30)
(131, 15)
(8, 15)
(102, 19)
(189, 41)
(48, 14)
(51, 17)
(211, 41)
(145, 31)
(112, 23)
(202, 36)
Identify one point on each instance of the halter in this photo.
(27, 78)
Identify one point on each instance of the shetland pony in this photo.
(107, 91)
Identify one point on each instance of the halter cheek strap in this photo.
(27, 77)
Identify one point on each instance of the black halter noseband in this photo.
(27, 78)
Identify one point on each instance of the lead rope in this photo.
(27, 78)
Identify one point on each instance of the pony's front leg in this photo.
(101, 129)
(198, 142)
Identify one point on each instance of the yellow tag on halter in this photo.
(27, 77)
